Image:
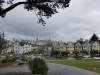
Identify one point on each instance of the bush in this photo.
(4, 61)
(14, 59)
(79, 58)
(38, 66)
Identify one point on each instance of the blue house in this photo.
(48, 49)
(87, 46)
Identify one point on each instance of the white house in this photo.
(70, 47)
(22, 47)
(96, 45)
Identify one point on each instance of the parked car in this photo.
(86, 56)
(96, 57)
(20, 62)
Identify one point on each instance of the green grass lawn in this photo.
(92, 65)
(22, 74)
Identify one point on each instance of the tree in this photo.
(65, 53)
(99, 54)
(93, 52)
(34, 51)
(94, 37)
(40, 51)
(56, 53)
(83, 52)
(76, 52)
(41, 7)
(38, 66)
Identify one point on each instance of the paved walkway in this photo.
(68, 70)
(54, 68)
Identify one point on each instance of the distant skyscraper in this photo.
(37, 39)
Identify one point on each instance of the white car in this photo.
(96, 57)
(86, 56)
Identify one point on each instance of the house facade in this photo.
(48, 49)
(70, 47)
(61, 46)
(78, 46)
(22, 47)
(96, 46)
(87, 46)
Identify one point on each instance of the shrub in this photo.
(14, 59)
(93, 52)
(56, 53)
(65, 53)
(38, 66)
(4, 61)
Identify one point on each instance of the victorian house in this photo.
(78, 46)
(48, 48)
(96, 45)
(22, 47)
(70, 47)
(61, 46)
(87, 46)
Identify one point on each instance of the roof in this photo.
(81, 42)
(48, 44)
(23, 43)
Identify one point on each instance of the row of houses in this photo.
(71, 46)
(86, 45)
(22, 47)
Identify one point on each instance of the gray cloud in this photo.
(80, 20)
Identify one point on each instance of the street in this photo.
(53, 68)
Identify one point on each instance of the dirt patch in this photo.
(11, 64)
(16, 65)
(6, 64)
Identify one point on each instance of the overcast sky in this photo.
(80, 20)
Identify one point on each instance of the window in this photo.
(49, 52)
(18, 51)
(23, 51)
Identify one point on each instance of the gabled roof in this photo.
(70, 43)
(86, 41)
(81, 42)
(22, 43)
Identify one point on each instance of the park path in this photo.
(59, 69)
